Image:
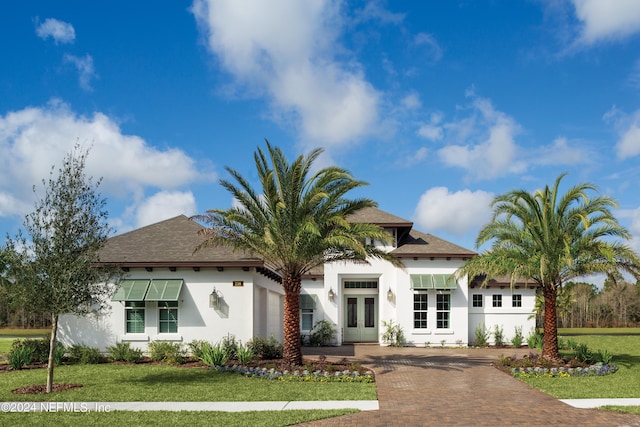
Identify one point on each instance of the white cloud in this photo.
(486, 145)
(288, 49)
(561, 152)
(59, 31)
(32, 140)
(430, 44)
(375, 11)
(603, 20)
(433, 130)
(632, 216)
(628, 129)
(458, 213)
(84, 65)
(411, 101)
(164, 205)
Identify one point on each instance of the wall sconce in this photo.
(214, 300)
(390, 295)
(331, 294)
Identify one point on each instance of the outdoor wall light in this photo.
(390, 295)
(214, 299)
(331, 294)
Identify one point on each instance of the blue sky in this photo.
(438, 105)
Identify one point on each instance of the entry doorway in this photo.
(360, 318)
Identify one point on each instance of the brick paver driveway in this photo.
(443, 387)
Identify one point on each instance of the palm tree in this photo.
(550, 238)
(297, 221)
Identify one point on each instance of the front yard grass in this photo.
(163, 383)
(257, 418)
(624, 383)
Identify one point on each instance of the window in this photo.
(134, 315)
(307, 306)
(306, 319)
(497, 300)
(516, 300)
(361, 284)
(477, 300)
(168, 317)
(443, 309)
(420, 305)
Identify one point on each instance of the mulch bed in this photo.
(42, 388)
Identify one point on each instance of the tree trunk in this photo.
(292, 352)
(550, 342)
(52, 348)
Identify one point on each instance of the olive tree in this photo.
(53, 267)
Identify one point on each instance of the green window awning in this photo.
(433, 281)
(164, 290)
(131, 290)
(307, 302)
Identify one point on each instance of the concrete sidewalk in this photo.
(363, 405)
(596, 403)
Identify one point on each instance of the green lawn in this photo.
(227, 419)
(598, 331)
(26, 333)
(159, 383)
(624, 383)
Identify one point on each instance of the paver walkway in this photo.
(447, 387)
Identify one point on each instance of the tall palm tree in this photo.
(295, 222)
(550, 238)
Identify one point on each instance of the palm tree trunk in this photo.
(52, 347)
(550, 349)
(292, 353)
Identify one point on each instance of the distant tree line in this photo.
(584, 305)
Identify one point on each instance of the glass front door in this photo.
(360, 318)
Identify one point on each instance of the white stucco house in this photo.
(171, 293)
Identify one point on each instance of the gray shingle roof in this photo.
(418, 244)
(170, 242)
(380, 218)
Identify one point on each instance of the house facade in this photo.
(171, 293)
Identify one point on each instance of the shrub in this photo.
(518, 338)
(85, 355)
(195, 347)
(39, 347)
(482, 335)
(245, 354)
(583, 354)
(230, 346)
(322, 333)
(123, 352)
(19, 357)
(393, 334)
(604, 356)
(266, 348)
(163, 351)
(214, 355)
(498, 335)
(535, 339)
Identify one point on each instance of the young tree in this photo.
(53, 268)
(294, 222)
(551, 238)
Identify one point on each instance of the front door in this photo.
(360, 318)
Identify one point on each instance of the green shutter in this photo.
(131, 290)
(433, 281)
(307, 302)
(164, 290)
(421, 281)
(444, 281)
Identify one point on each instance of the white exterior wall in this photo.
(400, 307)
(196, 320)
(507, 317)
